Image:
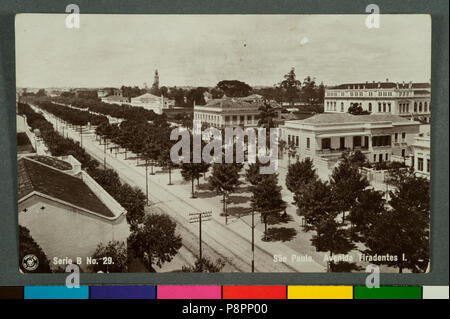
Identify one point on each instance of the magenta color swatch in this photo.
(189, 292)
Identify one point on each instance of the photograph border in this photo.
(439, 245)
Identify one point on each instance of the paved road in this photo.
(230, 241)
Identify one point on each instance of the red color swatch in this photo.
(254, 292)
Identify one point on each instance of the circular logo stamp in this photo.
(30, 262)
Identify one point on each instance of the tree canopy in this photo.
(300, 174)
(110, 258)
(234, 88)
(155, 241)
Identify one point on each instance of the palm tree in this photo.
(267, 115)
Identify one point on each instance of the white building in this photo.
(103, 93)
(232, 111)
(67, 213)
(404, 99)
(153, 102)
(421, 154)
(323, 137)
(116, 98)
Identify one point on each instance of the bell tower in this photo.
(156, 81)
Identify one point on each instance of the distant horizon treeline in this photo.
(307, 93)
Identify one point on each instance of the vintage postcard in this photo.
(223, 143)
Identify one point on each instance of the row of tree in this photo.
(122, 111)
(153, 240)
(132, 199)
(397, 226)
(72, 116)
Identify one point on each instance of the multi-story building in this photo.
(232, 111)
(403, 99)
(421, 154)
(323, 137)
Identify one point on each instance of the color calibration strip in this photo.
(225, 292)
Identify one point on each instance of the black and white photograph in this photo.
(223, 143)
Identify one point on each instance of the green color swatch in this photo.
(388, 292)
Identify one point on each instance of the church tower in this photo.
(156, 81)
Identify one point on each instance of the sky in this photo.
(201, 50)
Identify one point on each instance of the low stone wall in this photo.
(103, 195)
(37, 143)
(76, 165)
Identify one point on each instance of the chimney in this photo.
(387, 80)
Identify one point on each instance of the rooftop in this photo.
(33, 176)
(328, 118)
(382, 85)
(147, 96)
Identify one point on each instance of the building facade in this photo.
(116, 97)
(421, 160)
(152, 102)
(323, 137)
(232, 111)
(403, 99)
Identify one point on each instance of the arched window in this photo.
(420, 107)
(426, 107)
(415, 107)
(370, 107)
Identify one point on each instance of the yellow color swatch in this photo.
(320, 292)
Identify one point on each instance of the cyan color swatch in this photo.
(56, 292)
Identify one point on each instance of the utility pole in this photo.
(146, 179)
(81, 136)
(253, 240)
(104, 153)
(226, 208)
(253, 226)
(199, 218)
